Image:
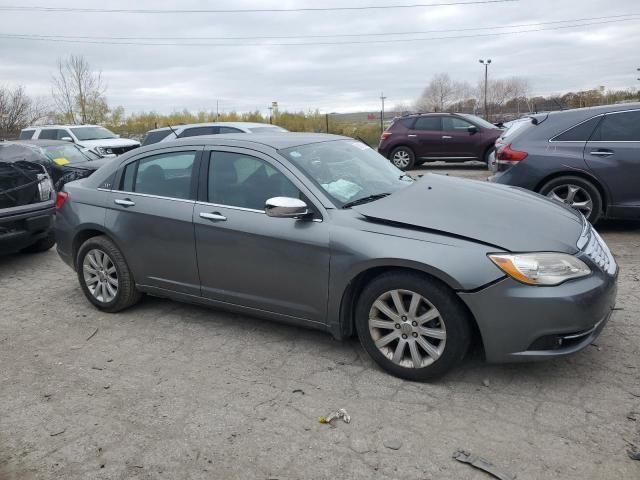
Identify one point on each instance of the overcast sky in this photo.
(347, 77)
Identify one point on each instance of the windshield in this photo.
(92, 133)
(63, 154)
(347, 170)
(481, 122)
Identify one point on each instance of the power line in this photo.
(625, 17)
(53, 38)
(20, 8)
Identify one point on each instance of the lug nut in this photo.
(415, 334)
(404, 318)
(404, 336)
(397, 325)
(415, 324)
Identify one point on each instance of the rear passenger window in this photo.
(427, 123)
(580, 133)
(619, 127)
(165, 175)
(198, 131)
(26, 134)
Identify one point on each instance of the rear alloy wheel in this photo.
(577, 193)
(104, 275)
(403, 158)
(411, 326)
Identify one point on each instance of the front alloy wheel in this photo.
(412, 325)
(100, 275)
(407, 328)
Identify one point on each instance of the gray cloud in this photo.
(328, 77)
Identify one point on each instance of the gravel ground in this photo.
(166, 390)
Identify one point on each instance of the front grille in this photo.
(598, 251)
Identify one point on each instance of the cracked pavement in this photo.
(168, 390)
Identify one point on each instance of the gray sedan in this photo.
(321, 231)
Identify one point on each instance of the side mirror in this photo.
(67, 139)
(472, 129)
(285, 207)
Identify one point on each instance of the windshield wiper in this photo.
(367, 199)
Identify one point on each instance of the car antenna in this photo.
(172, 130)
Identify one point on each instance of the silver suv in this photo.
(92, 137)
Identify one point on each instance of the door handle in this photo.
(446, 136)
(125, 202)
(412, 135)
(601, 153)
(213, 216)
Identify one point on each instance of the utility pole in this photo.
(217, 110)
(382, 99)
(486, 83)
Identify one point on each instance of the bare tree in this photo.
(441, 93)
(18, 110)
(78, 91)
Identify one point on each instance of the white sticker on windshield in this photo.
(295, 154)
(360, 145)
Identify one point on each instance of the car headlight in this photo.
(104, 150)
(541, 268)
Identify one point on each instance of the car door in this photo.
(276, 265)
(457, 140)
(150, 214)
(427, 131)
(613, 154)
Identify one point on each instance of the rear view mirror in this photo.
(67, 139)
(472, 129)
(285, 207)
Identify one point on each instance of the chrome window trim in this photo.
(147, 195)
(243, 209)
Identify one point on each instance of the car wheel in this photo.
(412, 326)
(487, 156)
(403, 158)
(104, 275)
(577, 193)
(42, 245)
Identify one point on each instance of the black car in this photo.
(63, 161)
(26, 207)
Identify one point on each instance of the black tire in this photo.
(42, 245)
(487, 155)
(408, 160)
(588, 189)
(451, 313)
(126, 294)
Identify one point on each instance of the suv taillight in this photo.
(60, 199)
(385, 135)
(509, 156)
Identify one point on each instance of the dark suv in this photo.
(587, 158)
(451, 137)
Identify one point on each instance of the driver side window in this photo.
(453, 124)
(240, 180)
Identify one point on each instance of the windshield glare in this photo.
(347, 170)
(92, 133)
(70, 153)
(481, 122)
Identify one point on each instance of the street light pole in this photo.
(382, 98)
(486, 83)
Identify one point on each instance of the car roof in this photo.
(60, 126)
(215, 124)
(40, 143)
(277, 141)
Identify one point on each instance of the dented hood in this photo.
(506, 217)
